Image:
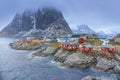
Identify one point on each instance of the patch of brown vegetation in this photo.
(30, 42)
(54, 45)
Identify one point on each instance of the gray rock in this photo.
(90, 78)
(24, 47)
(118, 77)
(43, 52)
(39, 51)
(61, 55)
(78, 60)
(106, 65)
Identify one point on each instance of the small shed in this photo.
(81, 40)
(65, 45)
(73, 46)
(68, 46)
(108, 48)
(86, 48)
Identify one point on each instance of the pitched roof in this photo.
(66, 43)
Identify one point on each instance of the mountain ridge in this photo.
(38, 23)
(84, 29)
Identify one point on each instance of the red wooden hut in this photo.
(86, 48)
(107, 48)
(73, 47)
(81, 39)
(65, 45)
(68, 46)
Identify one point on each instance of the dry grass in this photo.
(30, 42)
(95, 42)
(55, 45)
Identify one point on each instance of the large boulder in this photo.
(106, 65)
(43, 51)
(78, 60)
(24, 47)
(26, 44)
(90, 78)
(39, 51)
(61, 55)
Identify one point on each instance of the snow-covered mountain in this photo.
(83, 29)
(42, 22)
(102, 34)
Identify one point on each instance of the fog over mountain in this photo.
(102, 15)
(42, 22)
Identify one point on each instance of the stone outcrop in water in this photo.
(61, 55)
(90, 78)
(78, 60)
(43, 22)
(72, 59)
(106, 65)
(43, 52)
(69, 58)
(26, 45)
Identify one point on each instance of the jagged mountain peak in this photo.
(84, 29)
(43, 20)
(83, 26)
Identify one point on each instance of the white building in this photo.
(62, 39)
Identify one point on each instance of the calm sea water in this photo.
(19, 65)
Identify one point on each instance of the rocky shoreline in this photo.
(72, 58)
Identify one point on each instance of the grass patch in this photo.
(54, 45)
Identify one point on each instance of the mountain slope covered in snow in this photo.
(42, 22)
(83, 29)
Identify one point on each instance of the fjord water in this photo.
(19, 65)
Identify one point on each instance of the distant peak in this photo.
(84, 29)
(83, 26)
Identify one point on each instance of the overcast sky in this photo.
(97, 14)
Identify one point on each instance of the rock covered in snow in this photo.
(84, 29)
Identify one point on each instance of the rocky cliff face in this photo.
(43, 22)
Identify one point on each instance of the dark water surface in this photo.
(18, 65)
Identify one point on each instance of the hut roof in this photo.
(66, 43)
(75, 44)
(107, 46)
(90, 46)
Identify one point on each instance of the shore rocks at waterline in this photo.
(106, 65)
(118, 77)
(78, 60)
(69, 58)
(72, 59)
(24, 47)
(45, 51)
(61, 55)
(90, 78)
